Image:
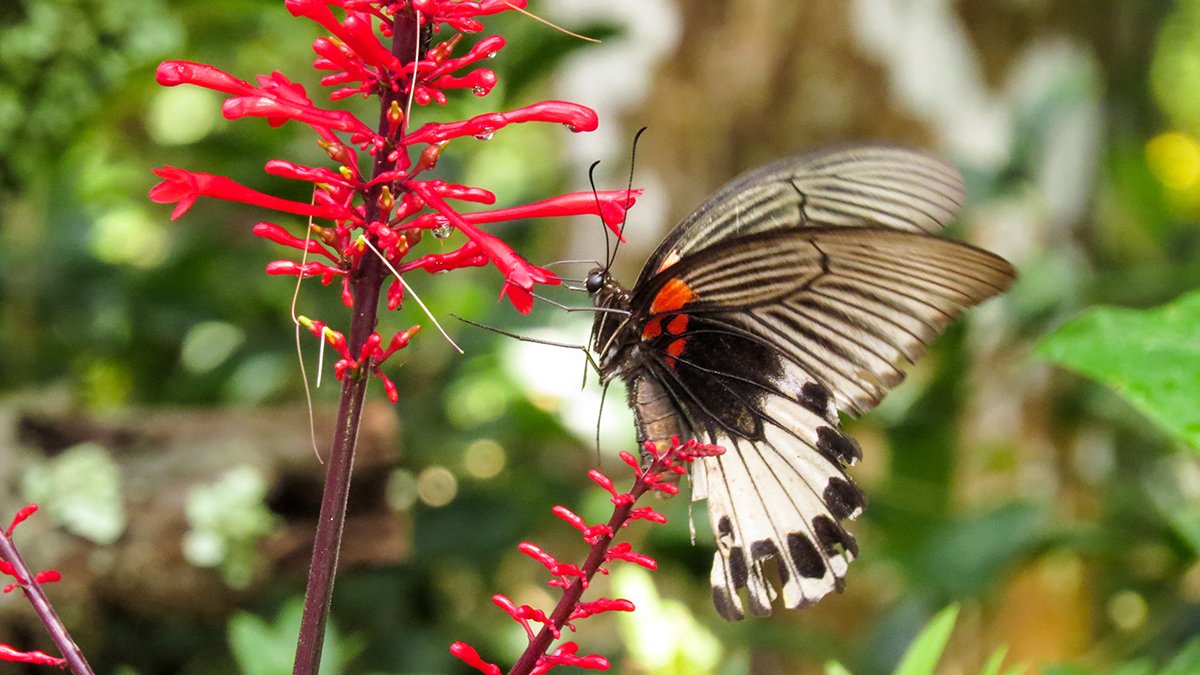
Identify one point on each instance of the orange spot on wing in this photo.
(652, 330)
(676, 347)
(677, 325)
(673, 350)
(673, 295)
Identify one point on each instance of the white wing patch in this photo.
(780, 499)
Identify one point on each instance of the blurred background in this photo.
(151, 397)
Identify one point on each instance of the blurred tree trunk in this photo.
(755, 81)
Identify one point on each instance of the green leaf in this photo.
(994, 662)
(925, 652)
(1151, 357)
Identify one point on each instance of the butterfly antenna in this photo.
(576, 261)
(526, 338)
(628, 193)
(569, 308)
(599, 210)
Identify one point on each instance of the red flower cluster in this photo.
(574, 579)
(392, 202)
(9, 568)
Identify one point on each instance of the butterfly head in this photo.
(612, 322)
(595, 280)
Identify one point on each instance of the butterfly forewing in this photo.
(797, 291)
(850, 305)
(855, 186)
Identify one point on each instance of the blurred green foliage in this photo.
(226, 522)
(261, 647)
(1077, 529)
(81, 489)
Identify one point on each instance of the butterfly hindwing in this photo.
(776, 495)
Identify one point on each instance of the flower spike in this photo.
(575, 579)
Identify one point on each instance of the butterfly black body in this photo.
(795, 292)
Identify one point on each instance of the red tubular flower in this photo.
(519, 275)
(572, 115)
(279, 235)
(47, 577)
(468, 255)
(610, 205)
(8, 653)
(484, 49)
(399, 341)
(174, 73)
(20, 517)
(312, 269)
(271, 108)
(460, 15)
(185, 187)
(316, 175)
(467, 654)
(585, 609)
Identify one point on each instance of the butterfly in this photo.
(795, 293)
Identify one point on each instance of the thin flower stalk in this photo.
(544, 629)
(13, 566)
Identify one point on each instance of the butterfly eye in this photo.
(594, 282)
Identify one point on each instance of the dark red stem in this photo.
(571, 596)
(365, 283)
(41, 604)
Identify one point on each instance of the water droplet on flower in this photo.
(491, 55)
(479, 91)
(485, 136)
(442, 231)
(571, 128)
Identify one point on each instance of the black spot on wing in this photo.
(837, 447)
(805, 556)
(842, 497)
(725, 526)
(723, 601)
(815, 397)
(764, 549)
(737, 567)
(833, 538)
